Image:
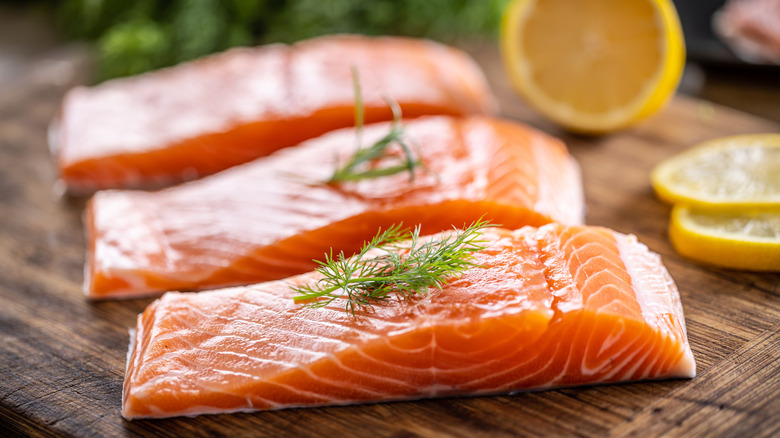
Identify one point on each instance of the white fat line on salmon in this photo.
(651, 280)
(620, 366)
(615, 334)
(319, 339)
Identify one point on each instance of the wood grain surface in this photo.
(62, 358)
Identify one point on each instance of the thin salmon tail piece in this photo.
(549, 307)
(200, 117)
(271, 218)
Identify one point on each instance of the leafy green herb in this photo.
(359, 109)
(401, 268)
(360, 165)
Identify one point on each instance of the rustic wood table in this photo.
(62, 357)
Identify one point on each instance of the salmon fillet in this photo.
(750, 29)
(549, 307)
(210, 114)
(271, 218)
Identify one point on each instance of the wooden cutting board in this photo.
(62, 358)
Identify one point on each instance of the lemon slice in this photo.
(593, 66)
(729, 173)
(731, 240)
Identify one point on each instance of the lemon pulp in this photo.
(593, 66)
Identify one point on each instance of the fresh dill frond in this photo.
(360, 113)
(359, 165)
(404, 266)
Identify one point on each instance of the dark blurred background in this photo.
(118, 38)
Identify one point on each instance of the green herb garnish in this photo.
(402, 268)
(359, 166)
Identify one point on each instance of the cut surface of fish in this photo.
(204, 116)
(556, 306)
(271, 218)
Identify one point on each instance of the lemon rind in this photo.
(725, 250)
(674, 194)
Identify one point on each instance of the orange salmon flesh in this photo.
(271, 218)
(544, 308)
(207, 115)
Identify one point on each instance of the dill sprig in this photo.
(405, 266)
(358, 167)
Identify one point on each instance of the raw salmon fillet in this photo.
(751, 29)
(549, 307)
(205, 116)
(271, 218)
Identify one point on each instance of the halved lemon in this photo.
(593, 66)
(749, 241)
(729, 173)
